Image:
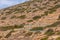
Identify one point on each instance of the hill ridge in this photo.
(31, 20)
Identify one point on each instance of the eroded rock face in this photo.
(32, 20)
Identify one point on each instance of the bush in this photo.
(28, 34)
(6, 28)
(30, 21)
(51, 11)
(49, 32)
(36, 17)
(34, 10)
(11, 27)
(45, 38)
(9, 34)
(54, 24)
(3, 18)
(37, 32)
(36, 28)
(46, 13)
(22, 17)
(19, 26)
(13, 16)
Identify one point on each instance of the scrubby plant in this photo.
(6, 28)
(51, 11)
(3, 18)
(37, 29)
(28, 10)
(49, 32)
(13, 16)
(54, 24)
(37, 32)
(9, 34)
(40, 8)
(46, 13)
(8, 12)
(19, 26)
(22, 17)
(28, 34)
(11, 27)
(45, 38)
(57, 6)
(34, 10)
(36, 17)
(30, 21)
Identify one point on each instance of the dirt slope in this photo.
(31, 20)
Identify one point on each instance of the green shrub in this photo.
(19, 26)
(49, 32)
(11, 27)
(28, 10)
(13, 16)
(37, 32)
(28, 34)
(22, 16)
(21, 9)
(46, 13)
(3, 18)
(6, 28)
(36, 28)
(9, 34)
(54, 24)
(51, 11)
(36, 17)
(57, 6)
(34, 10)
(30, 21)
(45, 38)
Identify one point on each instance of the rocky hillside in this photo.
(31, 20)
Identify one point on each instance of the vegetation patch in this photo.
(11, 27)
(9, 34)
(3, 18)
(19, 26)
(13, 17)
(30, 21)
(36, 17)
(22, 16)
(49, 32)
(45, 38)
(28, 34)
(54, 24)
(36, 29)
